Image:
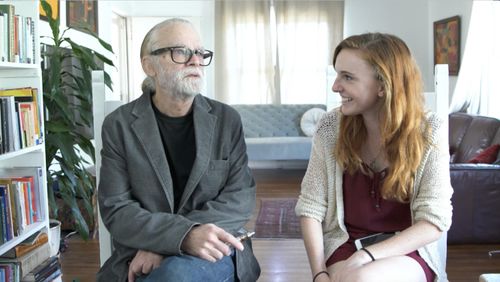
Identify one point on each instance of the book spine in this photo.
(9, 11)
(34, 199)
(18, 92)
(13, 124)
(33, 42)
(21, 204)
(40, 191)
(5, 122)
(26, 201)
(3, 36)
(4, 193)
(3, 236)
(13, 208)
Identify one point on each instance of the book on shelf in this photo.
(17, 36)
(3, 38)
(46, 271)
(37, 239)
(21, 118)
(21, 189)
(32, 259)
(3, 223)
(8, 32)
(16, 206)
(10, 124)
(10, 272)
(6, 214)
(35, 174)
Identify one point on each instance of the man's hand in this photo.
(209, 242)
(143, 263)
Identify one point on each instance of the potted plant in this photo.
(67, 97)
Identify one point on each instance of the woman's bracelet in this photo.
(368, 252)
(319, 273)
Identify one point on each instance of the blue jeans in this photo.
(185, 268)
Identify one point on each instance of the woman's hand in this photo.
(344, 268)
(322, 278)
(143, 263)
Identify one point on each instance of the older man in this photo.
(175, 186)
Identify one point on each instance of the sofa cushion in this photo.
(488, 156)
(268, 120)
(475, 199)
(309, 120)
(469, 135)
(459, 123)
(278, 148)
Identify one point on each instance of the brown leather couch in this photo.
(476, 197)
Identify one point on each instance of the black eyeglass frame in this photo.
(204, 54)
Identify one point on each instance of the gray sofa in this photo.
(273, 132)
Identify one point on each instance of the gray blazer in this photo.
(135, 189)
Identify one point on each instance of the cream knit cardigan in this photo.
(321, 191)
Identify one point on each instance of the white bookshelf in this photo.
(15, 75)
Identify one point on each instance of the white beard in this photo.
(178, 84)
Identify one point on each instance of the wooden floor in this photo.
(283, 260)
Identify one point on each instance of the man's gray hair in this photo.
(152, 35)
(148, 85)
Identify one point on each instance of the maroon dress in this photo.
(366, 213)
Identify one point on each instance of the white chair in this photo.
(489, 277)
(438, 101)
(101, 108)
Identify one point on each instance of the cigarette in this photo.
(245, 236)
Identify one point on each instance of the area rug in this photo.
(277, 219)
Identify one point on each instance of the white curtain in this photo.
(307, 32)
(478, 85)
(275, 51)
(243, 59)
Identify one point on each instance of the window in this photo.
(275, 52)
(478, 87)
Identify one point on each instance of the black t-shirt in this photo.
(177, 135)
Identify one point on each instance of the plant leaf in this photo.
(67, 95)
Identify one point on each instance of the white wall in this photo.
(442, 9)
(406, 19)
(412, 21)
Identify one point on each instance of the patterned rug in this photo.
(277, 219)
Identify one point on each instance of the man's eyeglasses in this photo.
(182, 55)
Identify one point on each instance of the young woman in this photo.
(379, 163)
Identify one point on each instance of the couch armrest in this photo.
(476, 203)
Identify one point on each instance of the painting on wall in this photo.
(447, 43)
(82, 15)
(54, 4)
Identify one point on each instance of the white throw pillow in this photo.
(309, 120)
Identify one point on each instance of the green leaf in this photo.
(67, 96)
(107, 80)
(81, 224)
(104, 59)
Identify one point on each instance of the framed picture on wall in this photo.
(82, 15)
(54, 4)
(447, 43)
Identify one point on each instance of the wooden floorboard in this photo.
(283, 260)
